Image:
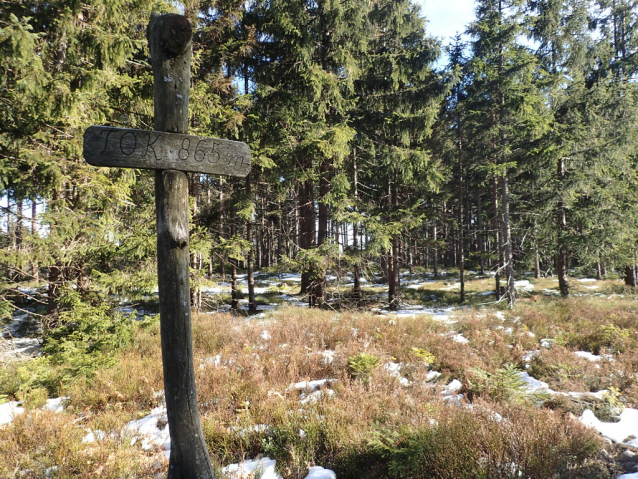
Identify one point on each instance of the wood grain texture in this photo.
(158, 150)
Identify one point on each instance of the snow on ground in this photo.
(444, 315)
(394, 369)
(623, 432)
(311, 386)
(533, 385)
(18, 348)
(56, 405)
(450, 392)
(264, 468)
(592, 357)
(9, 411)
(523, 285)
(151, 430)
(459, 338)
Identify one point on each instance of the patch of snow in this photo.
(18, 348)
(459, 338)
(310, 386)
(265, 335)
(394, 370)
(318, 472)
(586, 280)
(328, 357)
(9, 411)
(523, 285)
(533, 384)
(529, 355)
(316, 396)
(215, 361)
(263, 468)
(547, 343)
(51, 471)
(631, 475)
(290, 277)
(92, 436)
(152, 430)
(625, 431)
(592, 357)
(432, 375)
(551, 292)
(56, 405)
(454, 386)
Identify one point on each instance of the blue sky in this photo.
(446, 17)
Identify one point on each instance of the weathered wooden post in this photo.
(171, 152)
(169, 39)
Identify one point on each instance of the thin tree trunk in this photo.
(561, 260)
(497, 239)
(356, 289)
(252, 305)
(435, 258)
(461, 216)
(307, 233)
(507, 244)
(393, 260)
(481, 231)
(630, 276)
(35, 267)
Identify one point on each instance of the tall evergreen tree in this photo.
(65, 67)
(398, 98)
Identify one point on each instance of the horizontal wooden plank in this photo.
(158, 150)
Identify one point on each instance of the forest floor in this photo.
(434, 390)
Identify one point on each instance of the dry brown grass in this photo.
(370, 428)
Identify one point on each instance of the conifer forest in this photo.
(374, 149)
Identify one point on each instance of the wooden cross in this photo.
(171, 151)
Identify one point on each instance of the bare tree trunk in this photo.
(481, 231)
(630, 276)
(435, 258)
(561, 259)
(461, 216)
(507, 244)
(252, 305)
(393, 260)
(497, 239)
(356, 289)
(307, 233)
(35, 267)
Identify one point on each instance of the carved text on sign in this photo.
(127, 148)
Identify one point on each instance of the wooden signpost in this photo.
(171, 151)
(126, 148)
